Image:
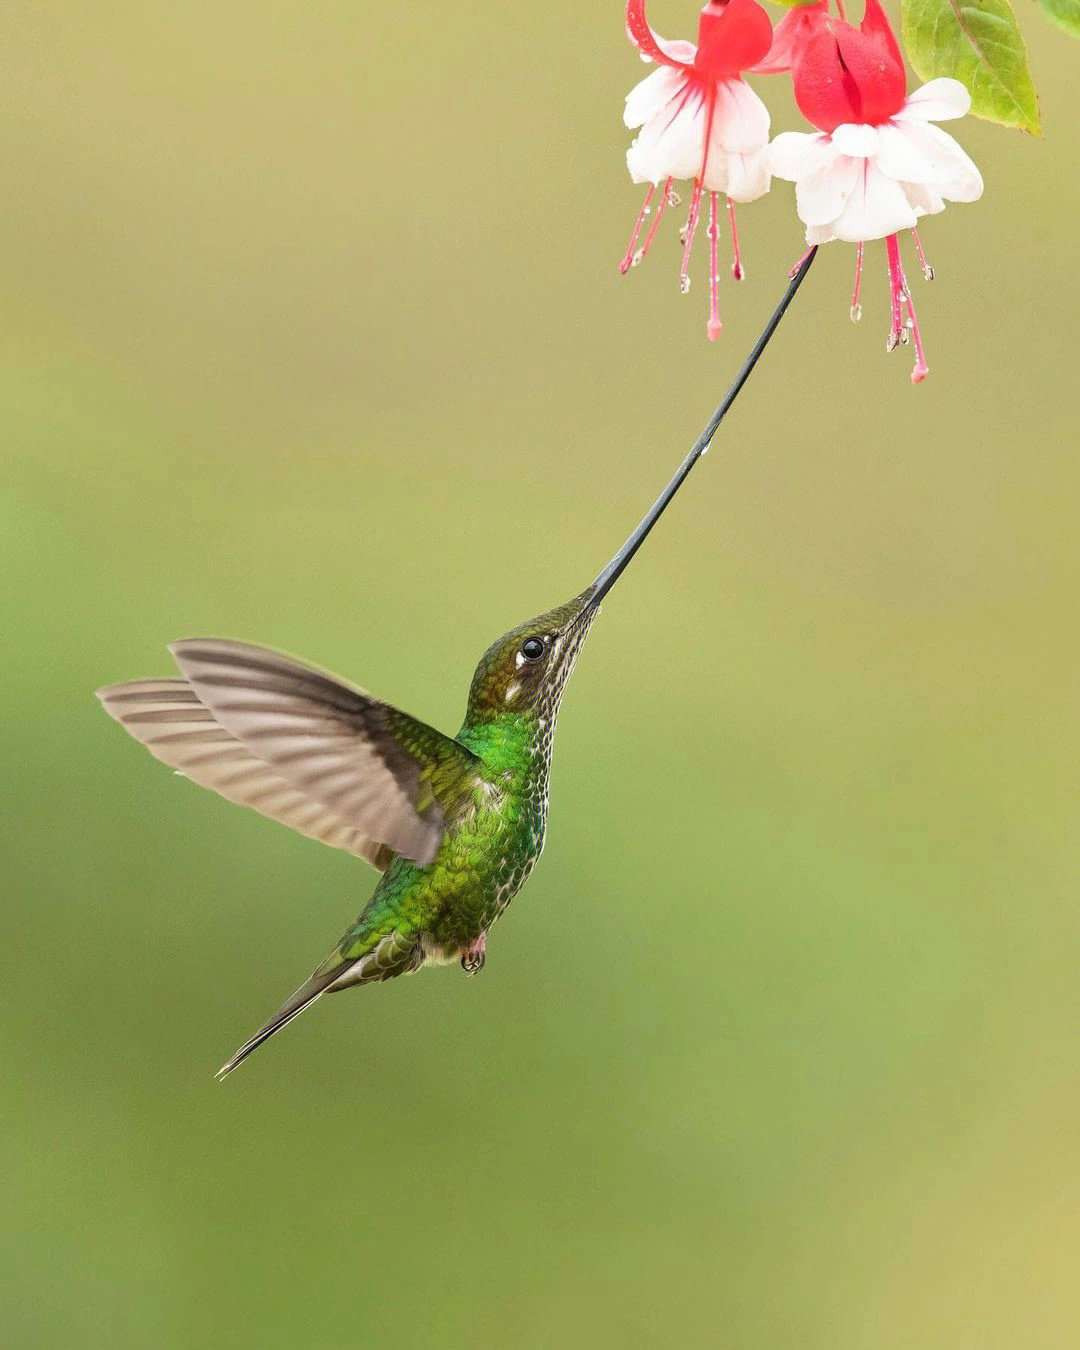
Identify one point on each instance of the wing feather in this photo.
(389, 776)
(167, 717)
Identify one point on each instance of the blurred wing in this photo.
(166, 717)
(394, 779)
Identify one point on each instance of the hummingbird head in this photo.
(526, 670)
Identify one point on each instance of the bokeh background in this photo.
(313, 335)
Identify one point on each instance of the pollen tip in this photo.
(714, 328)
(856, 313)
(684, 283)
(928, 272)
(737, 271)
(625, 266)
(920, 373)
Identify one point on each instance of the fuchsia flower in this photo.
(876, 164)
(789, 35)
(701, 121)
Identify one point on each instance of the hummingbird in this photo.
(455, 824)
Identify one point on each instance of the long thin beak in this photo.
(612, 571)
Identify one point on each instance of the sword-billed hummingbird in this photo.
(455, 824)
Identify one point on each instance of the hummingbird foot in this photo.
(472, 956)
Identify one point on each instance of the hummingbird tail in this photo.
(388, 953)
(303, 998)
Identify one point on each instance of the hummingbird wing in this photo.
(167, 717)
(394, 779)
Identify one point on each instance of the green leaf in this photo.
(1065, 13)
(978, 43)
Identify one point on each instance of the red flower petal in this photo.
(789, 36)
(879, 77)
(875, 24)
(824, 90)
(846, 74)
(643, 37)
(732, 37)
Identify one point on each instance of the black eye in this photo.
(532, 649)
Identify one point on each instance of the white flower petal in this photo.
(671, 142)
(877, 206)
(651, 94)
(903, 156)
(855, 139)
(740, 120)
(794, 154)
(920, 153)
(821, 197)
(924, 200)
(677, 48)
(743, 178)
(820, 234)
(937, 101)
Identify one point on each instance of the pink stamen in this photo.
(856, 308)
(688, 236)
(736, 265)
(714, 327)
(631, 257)
(840, 10)
(668, 196)
(927, 270)
(901, 297)
(791, 274)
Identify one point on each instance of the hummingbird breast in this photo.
(488, 853)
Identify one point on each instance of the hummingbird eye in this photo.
(532, 649)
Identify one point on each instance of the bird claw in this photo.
(472, 956)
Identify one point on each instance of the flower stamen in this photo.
(668, 199)
(632, 258)
(688, 232)
(927, 270)
(794, 271)
(901, 299)
(736, 264)
(714, 327)
(856, 308)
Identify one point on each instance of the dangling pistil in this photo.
(736, 263)
(856, 308)
(688, 231)
(927, 270)
(669, 198)
(631, 258)
(900, 295)
(714, 327)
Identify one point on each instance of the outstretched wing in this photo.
(166, 717)
(392, 778)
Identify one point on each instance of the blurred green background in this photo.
(314, 336)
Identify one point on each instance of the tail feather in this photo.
(304, 997)
(389, 953)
